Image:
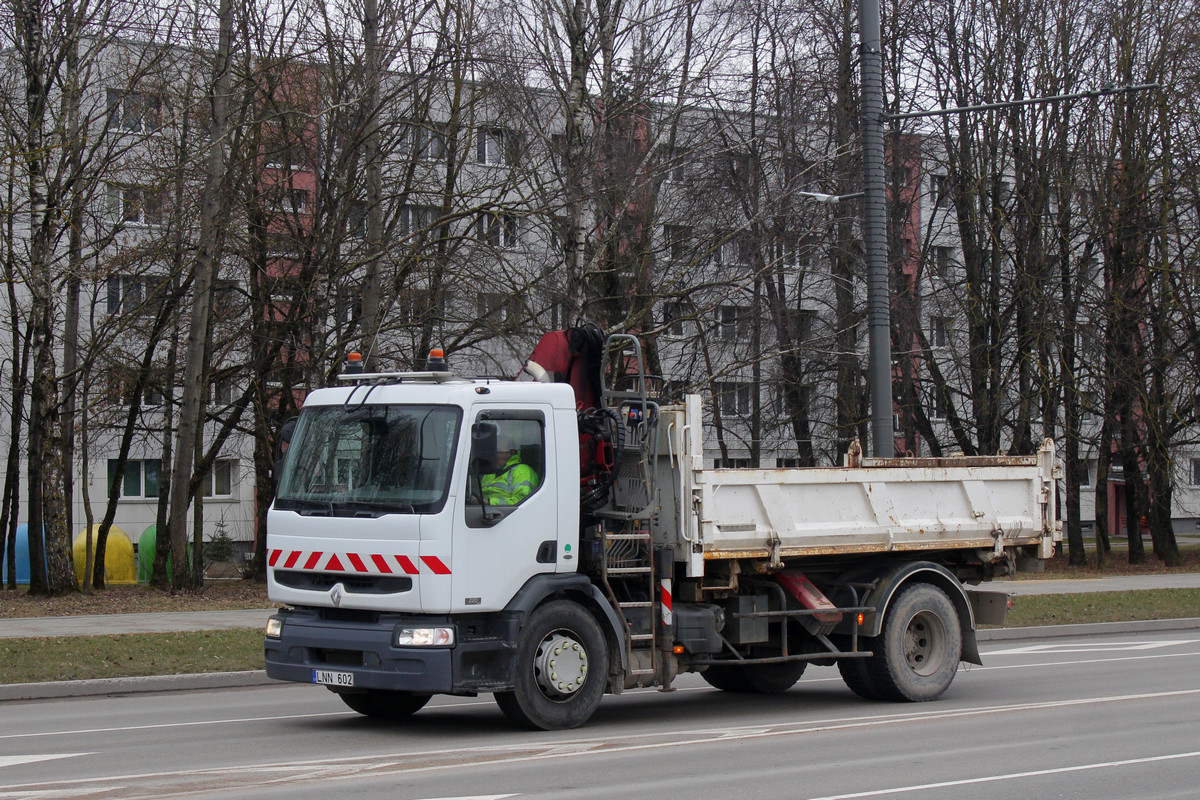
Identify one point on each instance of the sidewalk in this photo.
(160, 622)
(165, 622)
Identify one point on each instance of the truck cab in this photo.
(383, 520)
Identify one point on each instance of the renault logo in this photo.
(336, 595)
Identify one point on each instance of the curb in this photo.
(1088, 629)
(257, 677)
(138, 685)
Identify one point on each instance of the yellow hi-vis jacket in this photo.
(511, 485)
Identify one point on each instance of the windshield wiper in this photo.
(314, 508)
(373, 508)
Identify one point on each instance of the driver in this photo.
(514, 482)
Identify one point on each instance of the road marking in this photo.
(16, 761)
(193, 723)
(1089, 647)
(1011, 776)
(179, 783)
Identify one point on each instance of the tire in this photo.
(561, 669)
(857, 677)
(917, 653)
(726, 678)
(385, 704)
(755, 678)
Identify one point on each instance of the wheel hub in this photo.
(560, 665)
(925, 643)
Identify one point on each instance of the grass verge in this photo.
(67, 658)
(1065, 609)
(127, 655)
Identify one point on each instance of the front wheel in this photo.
(917, 653)
(385, 704)
(561, 669)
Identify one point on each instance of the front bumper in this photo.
(361, 643)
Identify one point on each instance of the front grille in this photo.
(337, 658)
(355, 584)
(349, 615)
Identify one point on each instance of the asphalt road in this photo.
(1076, 717)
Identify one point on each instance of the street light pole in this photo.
(879, 319)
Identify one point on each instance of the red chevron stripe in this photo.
(382, 563)
(435, 564)
(357, 562)
(334, 564)
(407, 565)
(313, 559)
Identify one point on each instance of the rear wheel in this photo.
(755, 678)
(855, 674)
(917, 653)
(561, 669)
(385, 704)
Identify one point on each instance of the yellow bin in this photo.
(119, 568)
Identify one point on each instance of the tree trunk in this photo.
(208, 257)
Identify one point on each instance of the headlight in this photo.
(425, 637)
(274, 628)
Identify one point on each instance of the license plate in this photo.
(331, 678)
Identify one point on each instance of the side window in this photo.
(520, 465)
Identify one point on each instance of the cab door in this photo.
(506, 527)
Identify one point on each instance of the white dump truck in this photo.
(612, 558)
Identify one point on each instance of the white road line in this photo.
(1089, 647)
(15, 761)
(194, 723)
(1011, 776)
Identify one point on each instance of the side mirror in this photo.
(282, 443)
(484, 437)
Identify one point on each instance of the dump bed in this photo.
(873, 506)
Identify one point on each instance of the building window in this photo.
(939, 331)
(498, 230)
(356, 219)
(1196, 472)
(219, 482)
(804, 324)
(731, 463)
(673, 163)
(676, 238)
(141, 477)
(734, 323)
(943, 257)
(733, 398)
(132, 111)
(136, 205)
(495, 308)
(940, 185)
(126, 294)
(426, 142)
(496, 147)
(735, 250)
(1085, 474)
(937, 404)
(791, 462)
(414, 219)
(672, 318)
(804, 394)
(221, 391)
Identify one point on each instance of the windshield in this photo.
(370, 460)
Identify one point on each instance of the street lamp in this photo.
(829, 199)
